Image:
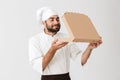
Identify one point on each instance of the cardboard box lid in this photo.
(80, 27)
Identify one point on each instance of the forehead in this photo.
(54, 17)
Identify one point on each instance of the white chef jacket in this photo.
(39, 46)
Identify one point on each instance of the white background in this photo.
(18, 23)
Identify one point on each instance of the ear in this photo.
(43, 22)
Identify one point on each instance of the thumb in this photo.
(55, 40)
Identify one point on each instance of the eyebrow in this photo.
(53, 18)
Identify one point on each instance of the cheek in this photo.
(50, 23)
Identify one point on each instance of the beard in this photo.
(55, 28)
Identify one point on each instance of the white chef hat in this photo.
(44, 13)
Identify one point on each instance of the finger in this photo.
(91, 44)
(62, 45)
(100, 41)
(100, 37)
(65, 42)
(97, 44)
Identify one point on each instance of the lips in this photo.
(56, 26)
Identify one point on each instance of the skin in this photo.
(54, 24)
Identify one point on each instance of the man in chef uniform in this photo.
(47, 54)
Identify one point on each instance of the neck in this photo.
(49, 33)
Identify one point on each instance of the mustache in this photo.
(56, 25)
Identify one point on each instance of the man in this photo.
(48, 55)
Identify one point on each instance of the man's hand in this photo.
(49, 55)
(94, 45)
(88, 51)
(58, 44)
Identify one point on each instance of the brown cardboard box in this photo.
(80, 28)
